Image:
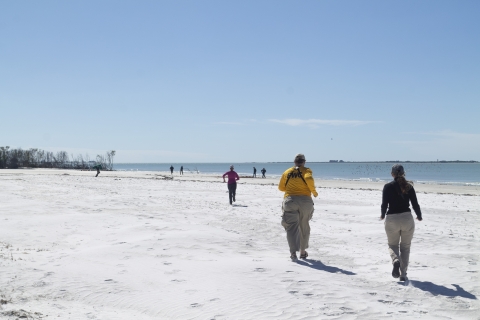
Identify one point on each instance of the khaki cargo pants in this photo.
(400, 228)
(297, 212)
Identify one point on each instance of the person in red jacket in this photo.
(232, 183)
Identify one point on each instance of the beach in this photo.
(144, 245)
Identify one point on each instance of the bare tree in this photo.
(80, 161)
(37, 158)
(110, 155)
(101, 161)
(4, 156)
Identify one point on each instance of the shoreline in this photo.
(465, 190)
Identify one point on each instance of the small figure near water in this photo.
(298, 184)
(254, 172)
(263, 173)
(232, 183)
(171, 169)
(399, 223)
(181, 170)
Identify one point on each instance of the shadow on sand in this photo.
(436, 290)
(318, 265)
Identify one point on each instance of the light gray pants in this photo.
(400, 228)
(297, 211)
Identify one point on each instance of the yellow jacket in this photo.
(293, 185)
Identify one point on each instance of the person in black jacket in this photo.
(399, 224)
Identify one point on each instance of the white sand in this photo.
(131, 245)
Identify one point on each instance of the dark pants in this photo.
(98, 172)
(232, 188)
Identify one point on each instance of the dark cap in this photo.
(299, 157)
(397, 169)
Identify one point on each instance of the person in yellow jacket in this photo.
(298, 185)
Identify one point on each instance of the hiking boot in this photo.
(396, 269)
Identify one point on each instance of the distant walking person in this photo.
(171, 169)
(298, 185)
(254, 172)
(232, 183)
(98, 169)
(399, 223)
(263, 173)
(181, 170)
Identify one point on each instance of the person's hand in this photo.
(381, 218)
(419, 219)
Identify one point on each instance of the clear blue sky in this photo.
(223, 81)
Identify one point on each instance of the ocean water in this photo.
(434, 172)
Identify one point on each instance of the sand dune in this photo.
(139, 246)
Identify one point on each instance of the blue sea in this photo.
(421, 172)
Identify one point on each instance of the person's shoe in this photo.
(293, 256)
(403, 278)
(396, 269)
(233, 198)
(304, 256)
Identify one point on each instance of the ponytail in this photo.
(405, 185)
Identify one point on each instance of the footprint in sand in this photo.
(385, 301)
(40, 284)
(195, 305)
(260, 270)
(173, 271)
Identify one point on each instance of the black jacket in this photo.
(398, 202)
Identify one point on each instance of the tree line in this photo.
(38, 158)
